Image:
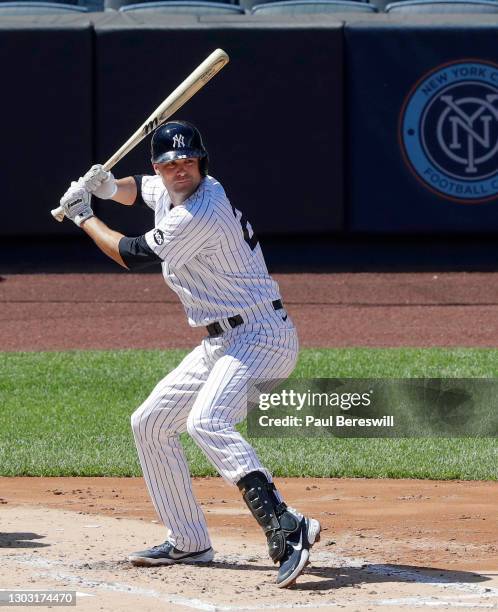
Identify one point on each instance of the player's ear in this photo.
(156, 170)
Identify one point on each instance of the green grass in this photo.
(68, 414)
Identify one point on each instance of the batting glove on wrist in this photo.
(99, 182)
(76, 204)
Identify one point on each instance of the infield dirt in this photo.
(386, 544)
(401, 544)
(116, 311)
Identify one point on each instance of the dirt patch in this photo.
(399, 544)
(117, 311)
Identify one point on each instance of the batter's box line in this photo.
(420, 577)
(197, 604)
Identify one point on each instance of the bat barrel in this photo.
(189, 87)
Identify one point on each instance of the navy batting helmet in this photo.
(178, 140)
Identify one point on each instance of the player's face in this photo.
(181, 177)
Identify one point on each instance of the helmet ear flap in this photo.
(203, 165)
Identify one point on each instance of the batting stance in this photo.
(211, 258)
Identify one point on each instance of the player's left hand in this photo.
(76, 204)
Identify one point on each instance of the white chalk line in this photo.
(420, 602)
(193, 603)
(414, 576)
(114, 586)
(472, 591)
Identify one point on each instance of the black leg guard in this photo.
(277, 522)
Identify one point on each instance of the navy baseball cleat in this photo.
(167, 554)
(289, 534)
(297, 549)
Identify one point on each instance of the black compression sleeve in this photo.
(138, 181)
(136, 253)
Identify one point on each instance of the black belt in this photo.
(215, 329)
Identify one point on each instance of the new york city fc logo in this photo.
(448, 131)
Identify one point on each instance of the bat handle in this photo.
(58, 213)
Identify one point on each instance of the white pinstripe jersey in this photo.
(211, 258)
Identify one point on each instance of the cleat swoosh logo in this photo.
(299, 545)
(174, 555)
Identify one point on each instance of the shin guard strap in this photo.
(260, 498)
(270, 513)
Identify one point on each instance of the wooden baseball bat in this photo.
(190, 86)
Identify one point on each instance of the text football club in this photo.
(448, 129)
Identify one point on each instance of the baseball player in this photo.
(211, 258)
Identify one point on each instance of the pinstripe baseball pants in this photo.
(206, 396)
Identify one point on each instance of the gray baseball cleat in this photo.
(297, 549)
(167, 554)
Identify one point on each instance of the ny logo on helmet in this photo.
(178, 141)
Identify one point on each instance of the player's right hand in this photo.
(99, 182)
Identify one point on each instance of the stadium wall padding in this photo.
(379, 125)
(422, 119)
(271, 120)
(47, 117)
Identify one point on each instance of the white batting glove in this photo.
(76, 204)
(99, 182)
